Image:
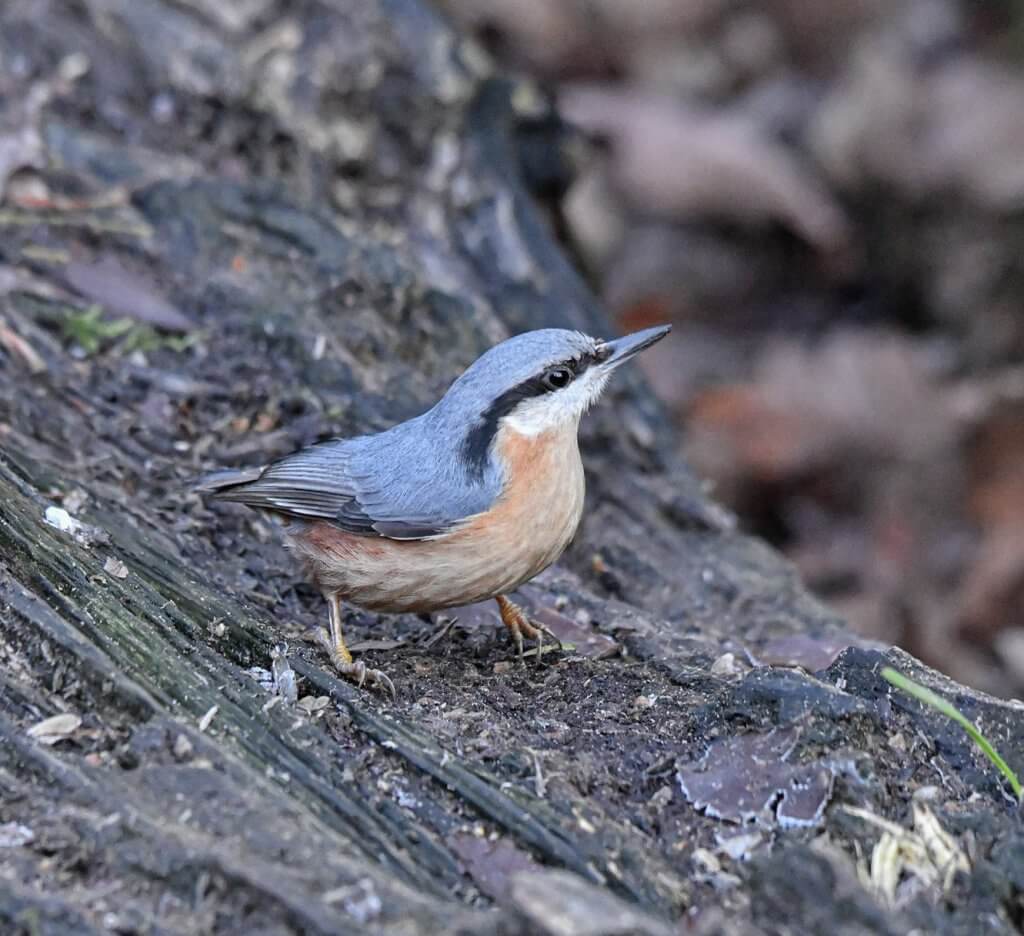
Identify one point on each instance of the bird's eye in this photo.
(557, 378)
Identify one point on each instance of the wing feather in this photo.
(368, 489)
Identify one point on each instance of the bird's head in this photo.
(537, 382)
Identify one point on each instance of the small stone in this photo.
(725, 665)
(182, 748)
(706, 861)
(75, 501)
(661, 798)
(739, 847)
(502, 666)
(360, 901)
(898, 742)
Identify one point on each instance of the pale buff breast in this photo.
(529, 527)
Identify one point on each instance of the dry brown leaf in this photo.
(542, 34)
(994, 585)
(124, 292)
(865, 394)
(953, 127)
(582, 36)
(115, 567)
(21, 117)
(681, 163)
(491, 864)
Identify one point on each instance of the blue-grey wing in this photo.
(393, 485)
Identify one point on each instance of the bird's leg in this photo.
(339, 652)
(520, 626)
(334, 643)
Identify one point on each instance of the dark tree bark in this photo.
(311, 217)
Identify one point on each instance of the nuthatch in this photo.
(461, 504)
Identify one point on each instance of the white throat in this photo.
(560, 409)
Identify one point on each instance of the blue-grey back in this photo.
(421, 477)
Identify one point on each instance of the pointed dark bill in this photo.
(622, 349)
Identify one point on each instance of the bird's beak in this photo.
(620, 350)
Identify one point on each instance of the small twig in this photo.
(207, 719)
(20, 348)
(539, 783)
(550, 648)
(441, 632)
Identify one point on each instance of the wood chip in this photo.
(115, 567)
(314, 704)
(182, 749)
(18, 347)
(55, 728)
(208, 718)
(363, 645)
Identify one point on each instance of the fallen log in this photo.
(230, 231)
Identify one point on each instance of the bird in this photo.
(461, 504)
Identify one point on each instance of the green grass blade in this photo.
(940, 704)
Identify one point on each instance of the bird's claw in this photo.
(355, 670)
(521, 626)
(362, 674)
(540, 631)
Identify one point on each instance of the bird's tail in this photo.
(224, 482)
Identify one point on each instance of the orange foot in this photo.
(520, 626)
(333, 642)
(356, 670)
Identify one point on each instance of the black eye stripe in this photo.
(580, 364)
(476, 447)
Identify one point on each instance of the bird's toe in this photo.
(379, 678)
(544, 631)
(363, 675)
